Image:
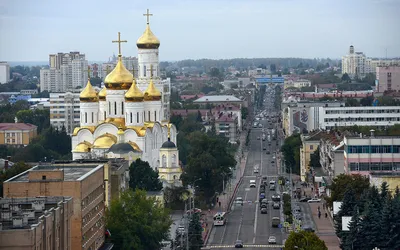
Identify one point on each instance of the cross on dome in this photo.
(148, 15)
(119, 41)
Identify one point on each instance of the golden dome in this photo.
(148, 40)
(102, 94)
(105, 141)
(152, 93)
(119, 78)
(120, 131)
(82, 147)
(118, 122)
(134, 94)
(89, 94)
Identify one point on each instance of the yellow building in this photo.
(17, 133)
(310, 143)
(392, 179)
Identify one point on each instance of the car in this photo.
(265, 177)
(272, 240)
(272, 182)
(262, 196)
(264, 210)
(252, 183)
(267, 152)
(260, 125)
(258, 138)
(239, 244)
(276, 205)
(264, 201)
(304, 199)
(308, 229)
(181, 229)
(264, 148)
(314, 200)
(239, 200)
(276, 197)
(256, 170)
(264, 205)
(263, 139)
(272, 187)
(272, 161)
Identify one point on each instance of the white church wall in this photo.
(105, 128)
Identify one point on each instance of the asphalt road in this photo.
(245, 222)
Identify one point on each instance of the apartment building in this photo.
(84, 182)
(364, 154)
(64, 110)
(354, 64)
(67, 71)
(388, 79)
(39, 223)
(300, 83)
(227, 125)
(17, 134)
(331, 154)
(4, 72)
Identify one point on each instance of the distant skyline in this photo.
(195, 29)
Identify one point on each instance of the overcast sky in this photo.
(193, 29)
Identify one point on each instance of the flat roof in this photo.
(218, 98)
(72, 172)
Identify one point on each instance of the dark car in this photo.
(276, 205)
(308, 229)
(272, 161)
(264, 205)
(239, 244)
(262, 196)
(267, 152)
(264, 210)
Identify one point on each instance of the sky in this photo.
(194, 29)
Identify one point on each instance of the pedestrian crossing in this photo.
(245, 246)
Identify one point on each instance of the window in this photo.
(149, 117)
(137, 117)
(109, 108)
(144, 70)
(115, 108)
(131, 116)
(105, 115)
(43, 177)
(155, 115)
(311, 147)
(122, 107)
(85, 117)
(164, 161)
(92, 117)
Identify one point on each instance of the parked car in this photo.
(304, 199)
(314, 200)
(272, 240)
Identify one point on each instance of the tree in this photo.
(315, 159)
(304, 240)
(343, 182)
(346, 78)
(174, 197)
(291, 152)
(273, 68)
(142, 176)
(137, 222)
(245, 112)
(353, 239)
(346, 209)
(352, 102)
(195, 232)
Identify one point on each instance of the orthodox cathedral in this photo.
(127, 118)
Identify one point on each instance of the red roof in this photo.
(17, 126)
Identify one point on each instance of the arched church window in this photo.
(149, 117)
(92, 117)
(85, 117)
(105, 115)
(155, 115)
(164, 161)
(122, 108)
(109, 108)
(115, 108)
(174, 177)
(131, 117)
(144, 70)
(173, 160)
(137, 117)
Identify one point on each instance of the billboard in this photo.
(336, 207)
(270, 80)
(346, 223)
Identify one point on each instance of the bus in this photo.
(220, 219)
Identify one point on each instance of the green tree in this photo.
(142, 176)
(174, 197)
(273, 68)
(352, 102)
(38, 117)
(343, 182)
(346, 78)
(346, 209)
(291, 152)
(245, 112)
(304, 240)
(315, 159)
(353, 239)
(195, 232)
(137, 222)
(177, 121)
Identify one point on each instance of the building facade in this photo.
(331, 154)
(17, 134)
(38, 223)
(300, 83)
(365, 154)
(310, 143)
(354, 64)
(228, 126)
(83, 182)
(4, 72)
(64, 111)
(388, 79)
(67, 71)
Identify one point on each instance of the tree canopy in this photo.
(315, 159)
(142, 176)
(304, 240)
(291, 152)
(137, 222)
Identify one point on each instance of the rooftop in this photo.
(57, 172)
(218, 98)
(16, 126)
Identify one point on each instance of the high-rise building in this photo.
(84, 182)
(64, 110)
(38, 223)
(67, 71)
(4, 72)
(388, 79)
(354, 64)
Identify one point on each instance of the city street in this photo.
(245, 222)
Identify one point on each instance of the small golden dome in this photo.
(120, 131)
(152, 93)
(118, 122)
(134, 146)
(134, 94)
(148, 40)
(105, 141)
(119, 78)
(102, 94)
(82, 147)
(88, 94)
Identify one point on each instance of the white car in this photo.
(239, 200)
(252, 183)
(314, 200)
(272, 240)
(256, 171)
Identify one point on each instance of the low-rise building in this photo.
(85, 182)
(391, 178)
(300, 83)
(310, 143)
(17, 134)
(227, 125)
(331, 154)
(364, 154)
(38, 223)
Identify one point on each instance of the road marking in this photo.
(241, 218)
(250, 246)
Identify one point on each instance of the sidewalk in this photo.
(230, 190)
